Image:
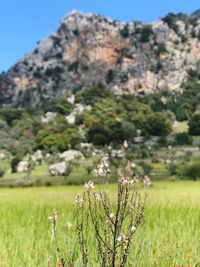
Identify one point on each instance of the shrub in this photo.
(145, 33)
(11, 114)
(192, 171)
(54, 73)
(171, 19)
(194, 124)
(125, 31)
(158, 125)
(90, 95)
(14, 162)
(109, 76)
(73, 66)
(98, 135)
(161, 48)
(183, 139)
(2, 173)
(59, 105)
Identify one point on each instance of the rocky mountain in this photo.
(89, 49)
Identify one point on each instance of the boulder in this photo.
(22, 166)
(58, 169)
(48, 117)
(70, 155)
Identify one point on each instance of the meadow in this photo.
(170, 235)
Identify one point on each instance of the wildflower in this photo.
(103, 168)
(97, 197)
(79, 200)
(133, 229)
(53, 218)
(69, 225)
(147, 181)
(112, 215)
(89, 185)
(125, 182)
(121, 238)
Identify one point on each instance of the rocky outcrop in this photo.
(88, 49)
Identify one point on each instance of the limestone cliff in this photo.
(89, 49)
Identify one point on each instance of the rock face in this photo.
(88, 49)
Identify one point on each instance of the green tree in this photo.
(194, 124)
(157, 124)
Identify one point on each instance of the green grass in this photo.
(171, 233)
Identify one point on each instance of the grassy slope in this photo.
(170, 234)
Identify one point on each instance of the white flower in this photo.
(102, 168)
(125, 182)
(54, 217)
(79, 200)
(50, 218)
(69, 225)
(89, 185)
(133, 229)
(121, 238)
(112, 215)
(97, 197)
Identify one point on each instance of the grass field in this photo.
(170, 235)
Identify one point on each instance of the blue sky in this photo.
(24, 22)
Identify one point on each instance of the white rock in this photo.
(45, 45)
(70, 155)
(2, 156)
(71, 99)
(22, 166)
(58, 169)
(85, 145)
(117, 153)
(48, 117)
(37, 156)
(71, 118)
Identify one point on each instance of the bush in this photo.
(161, 48)
(125, 31)
(2, 173)
(109, 76)
(183, 139)
(73, 66)
(59, 105)
(192, 171)
(145, 33)
(54, 73)
(158, 125)
(98, 135)
(171, 19)
(90, 95)
(194, 124)
(14, 162)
